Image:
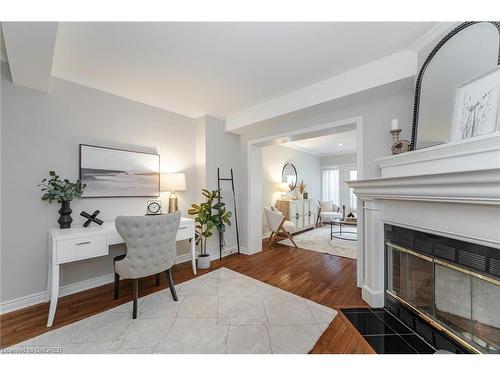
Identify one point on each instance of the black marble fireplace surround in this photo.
(388, 334)
(442, 295)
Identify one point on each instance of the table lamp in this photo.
(283, 188)
(173, 182)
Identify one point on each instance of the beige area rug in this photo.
(319, 240)
(220, 312)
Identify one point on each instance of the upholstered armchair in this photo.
(327, 211)
(279, 226)
(151, 249)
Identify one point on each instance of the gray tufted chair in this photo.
(151, 249)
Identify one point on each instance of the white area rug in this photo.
(319, 240)
(219, 312)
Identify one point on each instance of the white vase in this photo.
(204, 262)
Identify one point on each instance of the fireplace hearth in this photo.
(450, 286)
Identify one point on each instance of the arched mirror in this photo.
(289, 175)
(467, 52)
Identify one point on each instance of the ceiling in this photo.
(219, 68)
(332, 144)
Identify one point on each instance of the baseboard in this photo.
(226, 252)
(22, 302)
(246, 251)
(374, 299)
(183, 258)
(266, 235)
(41, 297)
(79, 286)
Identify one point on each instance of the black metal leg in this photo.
(136, 295)
(171, 284)
(157, 279)
(117, 285)
(117, 277)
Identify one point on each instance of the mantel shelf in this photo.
(467, 155)
(477, 187)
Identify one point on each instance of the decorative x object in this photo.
(91, 218)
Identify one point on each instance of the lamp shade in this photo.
(173, 182)
(282, 187)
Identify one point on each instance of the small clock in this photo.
(153, 207)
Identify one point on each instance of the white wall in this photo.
(274, 158)
(217, 148)
(377, 106)
(339, 159)
(201, 156)
(41, 132)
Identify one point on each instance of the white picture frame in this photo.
(111, 173)
(476, 109)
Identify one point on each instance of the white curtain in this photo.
(331, 185)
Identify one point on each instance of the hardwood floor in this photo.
(322, 278)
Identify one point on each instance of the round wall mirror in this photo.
(467, 52)
(289, 175)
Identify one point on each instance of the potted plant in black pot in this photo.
(209, 216)
(62, 191)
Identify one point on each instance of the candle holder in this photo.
(398, 146)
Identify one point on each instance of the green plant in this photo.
(208, 216)
(55, 189)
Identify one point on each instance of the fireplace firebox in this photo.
(450, 285)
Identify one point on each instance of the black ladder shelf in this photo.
(221, 239)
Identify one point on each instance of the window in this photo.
(331, 185)
(349, 199)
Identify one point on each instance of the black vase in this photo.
(65, 219)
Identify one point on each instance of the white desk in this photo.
(78, 243)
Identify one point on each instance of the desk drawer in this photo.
(82, 248)
(186, 230)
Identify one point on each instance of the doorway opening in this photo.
(326, 183)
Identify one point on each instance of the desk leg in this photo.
(54, 293)
(193, 254)
(48, 292)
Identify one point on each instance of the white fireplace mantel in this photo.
(467, 155)
(452, 190)
(474, 187)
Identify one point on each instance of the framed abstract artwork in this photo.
(477, 106)
(110, 172)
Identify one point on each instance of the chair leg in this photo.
(136, 295)
(171, 285)
(157, 279)
(117, 285)
(291, 239)
(271, 239)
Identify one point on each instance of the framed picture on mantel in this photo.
(110, 172)
(477, 106)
